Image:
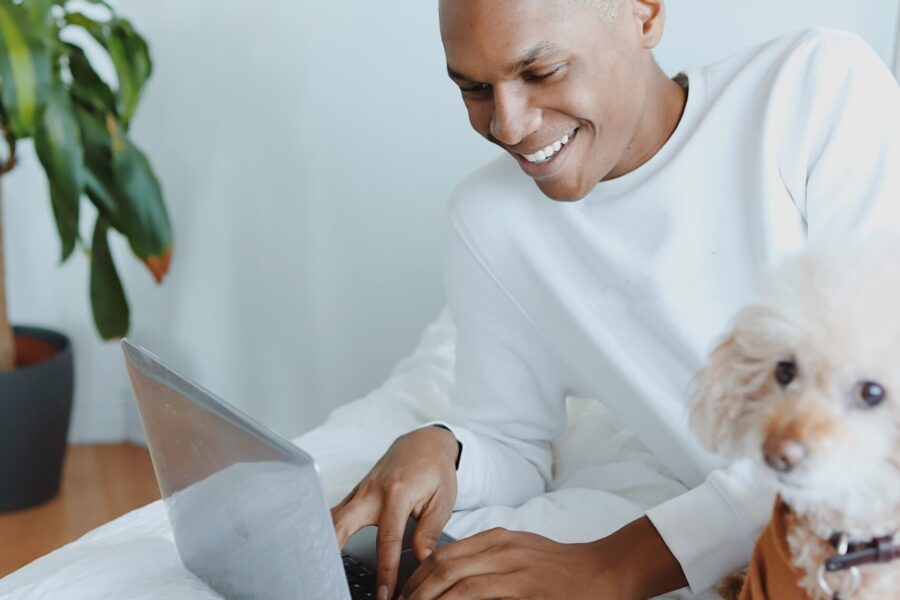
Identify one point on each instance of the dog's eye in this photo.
(870, 393)
(785, 371)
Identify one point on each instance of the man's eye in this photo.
(542, 76)
(476, 90)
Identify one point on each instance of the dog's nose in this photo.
(783, 455)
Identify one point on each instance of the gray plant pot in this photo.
(35, 405)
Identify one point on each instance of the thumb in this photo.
(428, 531)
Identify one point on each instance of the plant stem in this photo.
(7, 341)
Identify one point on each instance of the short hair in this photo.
(609, 9)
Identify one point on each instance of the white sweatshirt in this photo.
(621, 296)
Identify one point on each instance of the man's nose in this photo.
(513, 119)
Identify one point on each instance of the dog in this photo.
(806, 384)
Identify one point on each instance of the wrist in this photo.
(638, 559)
(453, 446)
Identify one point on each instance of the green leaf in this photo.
(141, 203)
(110, 306)
(123, 186)
(131, 58)
(40, 15)
(129, 54)
(25, 69)
(86, 85)
(100, 184)
(58, 144)
(92, 26)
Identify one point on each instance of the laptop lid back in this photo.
(246, 506)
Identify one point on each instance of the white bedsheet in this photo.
(603, 479)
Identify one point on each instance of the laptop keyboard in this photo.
(360, 577)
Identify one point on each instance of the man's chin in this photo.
(561, 193)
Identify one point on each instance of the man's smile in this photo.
(547, 152)
(547, 160)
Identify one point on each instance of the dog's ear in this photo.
(736, 375)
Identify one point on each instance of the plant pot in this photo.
(35, 405)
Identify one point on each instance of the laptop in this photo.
(246, 506)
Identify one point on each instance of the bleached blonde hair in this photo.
(609, 9)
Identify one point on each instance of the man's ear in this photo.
(651, 15)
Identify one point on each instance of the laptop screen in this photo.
(246, 507)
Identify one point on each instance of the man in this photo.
(686, 189)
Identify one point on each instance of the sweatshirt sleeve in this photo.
(507, 399)
(712, 528)
(840, 147)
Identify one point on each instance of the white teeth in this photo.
(549, 151)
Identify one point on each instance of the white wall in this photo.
(306, 151)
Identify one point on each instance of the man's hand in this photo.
(416, 476)
(506, 564)
(633, 562)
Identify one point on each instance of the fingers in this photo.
(476, 555)
(353, 516)
(346, 500)
(435, 578)
(389, 541)
(475, 576)
(491, 585)
(431, 524)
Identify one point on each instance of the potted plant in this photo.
(51, 93)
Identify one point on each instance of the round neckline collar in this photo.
(696, 91)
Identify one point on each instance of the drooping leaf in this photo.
(131, 58)
(141, 204)
(108, 301)
(129, 54)
(92, 26)
(86, 85)
(25, 69)
(57, 140)
(100, 184)
(121, 183)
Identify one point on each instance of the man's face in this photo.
(541, 79)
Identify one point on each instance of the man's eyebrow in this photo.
(454, 75)
(539, 51)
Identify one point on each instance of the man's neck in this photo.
(665, 104)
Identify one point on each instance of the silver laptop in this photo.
(246, 506)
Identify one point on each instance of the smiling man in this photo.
(591, 105)
(601, 257)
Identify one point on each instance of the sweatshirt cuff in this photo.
(470, 472)
(706, 536)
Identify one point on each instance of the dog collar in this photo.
(878, 550)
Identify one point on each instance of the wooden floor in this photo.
(99, 484)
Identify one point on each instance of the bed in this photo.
(603, 478)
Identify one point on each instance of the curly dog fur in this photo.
(806, 383)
